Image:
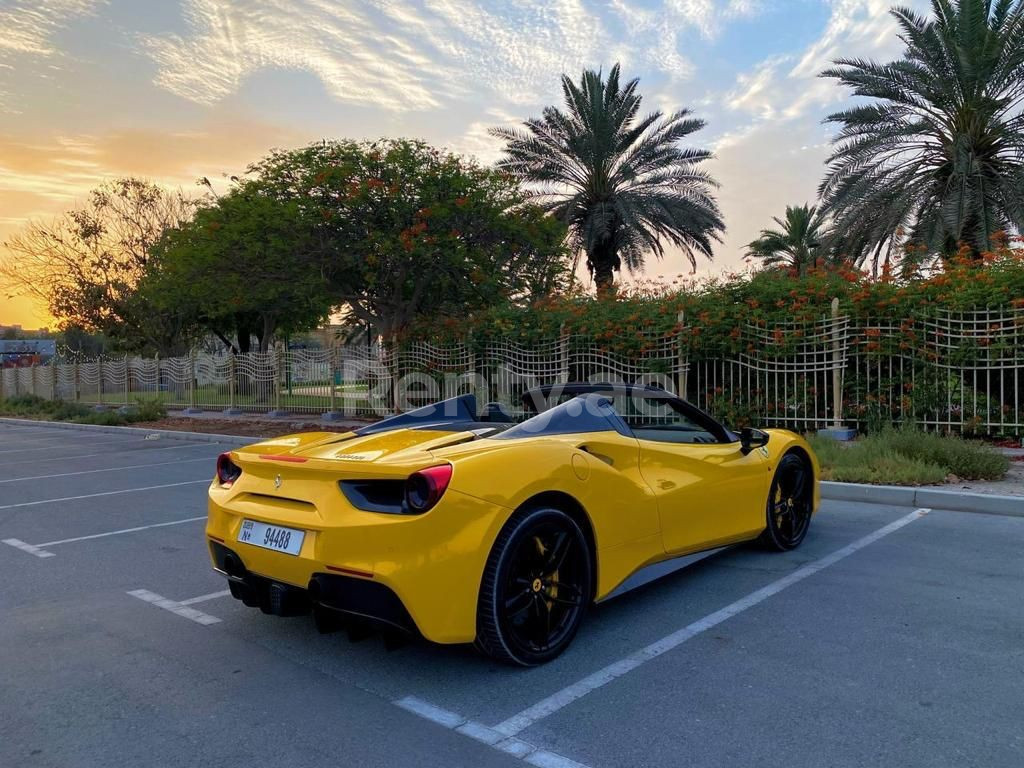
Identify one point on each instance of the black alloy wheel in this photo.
(789, 504)
(536, 588)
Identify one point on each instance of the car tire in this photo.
(790, 504)
(536, 588)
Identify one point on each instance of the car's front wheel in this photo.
(536, 588)
(790, 502)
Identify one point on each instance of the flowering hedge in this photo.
(716, 311)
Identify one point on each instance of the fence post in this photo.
(563, 353)
(231, 384)
(837, 387)
(156, 360)
(126, 381)
(682, 356)
(77, 382)
(3, 395)
(395, 400)
(330, 380)
(35, 392)
(192, 380)
(99, 368)
(53, 379)
(471, 364)
(278, 371)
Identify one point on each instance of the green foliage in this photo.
(797, 243)
(907, 457)
(149, 409)
(23, 405)
(718, 312)
(407, 230)
(934, 159)
(248, 262)
(620, 183)
(871, 461)
(963, 458)
(33, 407)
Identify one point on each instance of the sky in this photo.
(174, 90)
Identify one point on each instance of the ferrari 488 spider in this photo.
(466, 527)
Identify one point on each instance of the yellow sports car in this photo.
(465, 527)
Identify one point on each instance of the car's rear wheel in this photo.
(790, 502)
(536, 588)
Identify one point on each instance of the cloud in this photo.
(28, 30)
(42, 177)
(398, 56)
(789, 87)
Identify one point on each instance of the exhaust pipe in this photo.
(233, 566)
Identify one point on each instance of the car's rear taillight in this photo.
(227, 470)
(425, 488)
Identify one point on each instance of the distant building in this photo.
(22, 353)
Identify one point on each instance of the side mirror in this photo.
(751, 439)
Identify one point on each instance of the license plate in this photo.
(274, 537)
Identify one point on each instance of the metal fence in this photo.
(960, 372)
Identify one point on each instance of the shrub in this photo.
(907, 457)
(148, 409)
(25, 405)
(872, 460)
(103, 418)
(963, 458)
(69, 411)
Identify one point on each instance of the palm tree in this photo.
(936, 158)
(620, 183)
(796, 243)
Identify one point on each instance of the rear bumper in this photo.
(348, 595)
(419, 573)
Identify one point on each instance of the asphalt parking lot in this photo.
(892, 637)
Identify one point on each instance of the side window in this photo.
(660, 421)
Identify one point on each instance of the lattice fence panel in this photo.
(948, 371)
(780, 376)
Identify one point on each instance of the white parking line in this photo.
(7, 464)
(123, 530)
(119, 440)
(510, 745)
(39, 549)
(30, 548)
(174, 607)
(560, 699)
(106, 469)
(204, 598)
(104, 493)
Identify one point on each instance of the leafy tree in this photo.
(937, 158)
(245, 265)
(796, 243)
(86, 264)
(406, 230)
(620, 183)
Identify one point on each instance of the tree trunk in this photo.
(602, 261)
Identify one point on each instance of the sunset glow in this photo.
(177, 90)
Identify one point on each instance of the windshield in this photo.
(586, 413)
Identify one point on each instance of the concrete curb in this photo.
(931, 498)
(171, 434)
